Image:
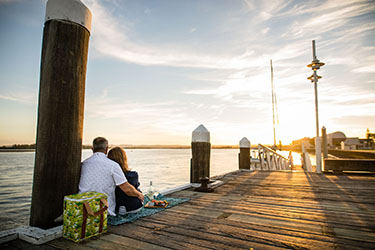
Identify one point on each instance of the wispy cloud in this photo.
(25, 98)
(239, 76)
(215, 70)
(112, 39)
(147, 115)
(365, 69)
(115, 39)
(237, 83)
(8, 1)
(266, 9)
(316, 19)
(192, 30)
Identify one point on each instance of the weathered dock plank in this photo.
(128, 243)
(256, 231)
(19, 244)
(259, 210)
(67, 244)
(274, 209)
(222, 229)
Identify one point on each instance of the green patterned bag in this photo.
(85, 215)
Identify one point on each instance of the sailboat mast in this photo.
(273, 105)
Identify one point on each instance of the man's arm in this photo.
(131, 191)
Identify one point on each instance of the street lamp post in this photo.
(315, 65)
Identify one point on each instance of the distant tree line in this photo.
(20, 146)
(31, 146)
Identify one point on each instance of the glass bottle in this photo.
(150, 191)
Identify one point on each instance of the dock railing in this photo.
(271, 160)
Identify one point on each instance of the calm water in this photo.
(166, 168)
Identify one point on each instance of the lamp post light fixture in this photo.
(315, 65)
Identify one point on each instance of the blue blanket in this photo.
(121, 219)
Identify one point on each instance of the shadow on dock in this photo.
(349, 217)
(258, 210)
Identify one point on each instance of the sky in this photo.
(158, 69)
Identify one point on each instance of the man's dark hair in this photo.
(99, 144)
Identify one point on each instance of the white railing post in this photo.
(271, 160)
(276, 162)
(285, 167)
(279, 163)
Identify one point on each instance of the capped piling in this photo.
(201, 152)
(324, 141)
(244, 155)
(61, 108)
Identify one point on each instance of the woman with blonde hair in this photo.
(124, 203)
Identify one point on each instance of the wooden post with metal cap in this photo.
(61, 108)
(201, 152)
(324, 141)
(244, 155)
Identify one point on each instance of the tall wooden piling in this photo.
(324, 141)
(61, 107)
(244, 155)
(201, 152)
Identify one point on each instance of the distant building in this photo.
(338, 140)
(307, 142)
(352, 143)
(334, 139)
(370, 139)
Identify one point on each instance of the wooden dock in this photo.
(253, 210)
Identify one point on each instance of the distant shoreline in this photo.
(16, 150)
(174, 146)
(129, 147)
(31, 148)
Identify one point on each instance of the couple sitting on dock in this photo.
(112, 176)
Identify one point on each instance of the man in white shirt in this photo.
(100, 174)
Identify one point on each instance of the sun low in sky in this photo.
(158, 69)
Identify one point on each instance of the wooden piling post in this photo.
(201, 151)
(324, 141)
(61, 107)
(244, 155)
(261, 157)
